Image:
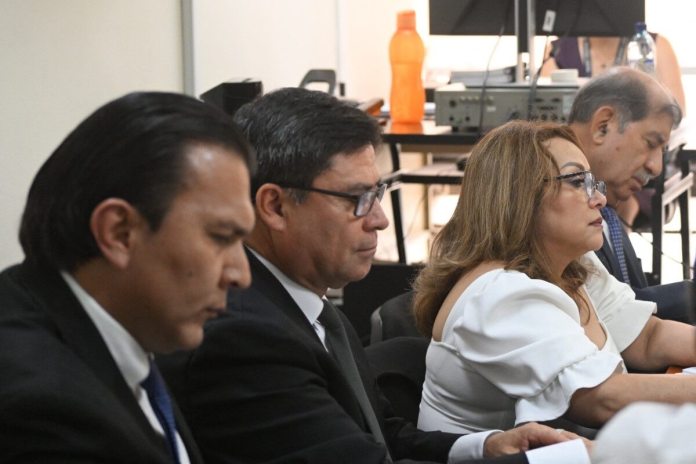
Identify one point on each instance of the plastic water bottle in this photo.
(406, 54)
(640, 51)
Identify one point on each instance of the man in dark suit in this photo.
(623, 120)
(132, 234)
(282, 377)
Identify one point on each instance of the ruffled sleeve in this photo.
(524, 336)
(616, 304)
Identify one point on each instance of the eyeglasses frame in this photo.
(377, 194)
(591, 186)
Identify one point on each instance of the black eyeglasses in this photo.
(363, 201)
(583, 179)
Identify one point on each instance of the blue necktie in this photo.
(162, 405)
(616, 237)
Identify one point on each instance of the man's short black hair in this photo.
(295, 133)
(133, 148)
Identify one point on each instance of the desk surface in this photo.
(436, 173)
(426, 133)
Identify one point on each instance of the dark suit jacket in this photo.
(675, 301)
(62, 397)
(262, 388)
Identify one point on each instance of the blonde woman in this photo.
(526, 325)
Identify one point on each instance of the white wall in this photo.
(366, 26)
(674, 20)
(59, 61)
(275, 41)
(278, 41)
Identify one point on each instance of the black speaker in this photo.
(233, 94)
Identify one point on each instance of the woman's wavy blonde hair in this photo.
(496, 216)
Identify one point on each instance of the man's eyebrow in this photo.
(362, 186)
(659, 138)
(231, 226)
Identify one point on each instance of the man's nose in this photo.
(654, 162)
(376, 219)
(235, 272)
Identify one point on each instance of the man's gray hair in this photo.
(624, 91)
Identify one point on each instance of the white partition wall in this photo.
(275, 41)
(59, 60)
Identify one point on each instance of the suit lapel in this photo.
(608, 258)
(83, 338)
(186, 436)
(635, 269)
(266, 286)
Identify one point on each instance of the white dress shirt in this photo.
(131, 359)
(309, 302)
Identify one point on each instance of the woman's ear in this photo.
(113, 224)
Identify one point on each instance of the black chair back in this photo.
(394, 319)
(384, 281)
(399, 368)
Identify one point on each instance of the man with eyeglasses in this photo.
(282, 377)
(623, 119)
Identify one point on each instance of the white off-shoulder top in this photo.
(513, 350)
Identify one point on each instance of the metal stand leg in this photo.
(396, 206)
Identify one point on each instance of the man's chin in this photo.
(613, 198)
(188, 338)
(359, 273)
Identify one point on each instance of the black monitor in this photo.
(472, 17)
(486, 17)
(591, 18)
(573, 17)
(231, 95)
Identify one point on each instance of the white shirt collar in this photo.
(130, 357)
(605, 231)
(309, 302)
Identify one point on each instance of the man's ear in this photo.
(113, 224)
(271, 205)
(601, 122)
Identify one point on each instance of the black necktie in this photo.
(162, 405)
(339, 347)
(616, 237)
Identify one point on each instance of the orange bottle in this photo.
(406, 54)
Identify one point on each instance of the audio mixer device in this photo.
(460, 106)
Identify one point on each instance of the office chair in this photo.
(384, 281)
(399, 368)
(324, 76)
(394, 318)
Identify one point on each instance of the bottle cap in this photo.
(640, 26)
(406, 19)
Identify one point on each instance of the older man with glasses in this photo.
(283, 377)
(623, 119)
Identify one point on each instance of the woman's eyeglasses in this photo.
(583, 179)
